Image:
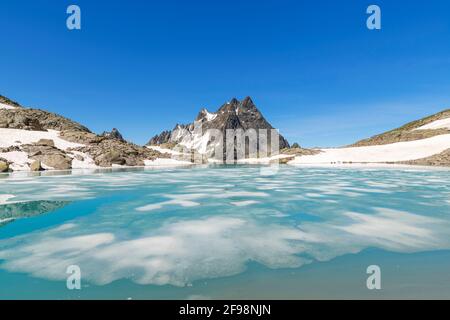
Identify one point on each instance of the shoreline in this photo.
(100, 170)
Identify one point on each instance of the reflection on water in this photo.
(12, 211)
(181, 227)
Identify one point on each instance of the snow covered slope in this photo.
(17, 137)
(19, 159)
(421, 139)
(395, 152)
(34, 139)
(6, 106)
(438, 124)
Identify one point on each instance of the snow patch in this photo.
(6, 106)
(400, 151)
(438, 124)
(17, 137)
(19, 160)
(210, 116)
(86, 163)
(164, 150)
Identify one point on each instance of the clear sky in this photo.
(312, 67)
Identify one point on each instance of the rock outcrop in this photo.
(113, 134)
(159, 139)
(4, 165)
(36, 120)
(298, 151)
(36, 166)
(48, 155)
(106, 150)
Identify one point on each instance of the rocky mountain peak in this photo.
(247, 103)
(234, 101)
(234, 115)
(113, 134)
(203, 114)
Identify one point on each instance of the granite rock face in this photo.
(108, 151)
(234, 115)
(36, 120)
(159, 139)
(113, 134)
(45, 152)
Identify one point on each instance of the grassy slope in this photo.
(406, 133)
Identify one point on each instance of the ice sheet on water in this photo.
(200, 235)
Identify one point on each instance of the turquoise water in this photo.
(226, 232)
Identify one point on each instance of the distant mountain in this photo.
(232, 115)
(113, 134)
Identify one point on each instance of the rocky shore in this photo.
(83, 147)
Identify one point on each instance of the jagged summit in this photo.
(113, 134)
(234, 114)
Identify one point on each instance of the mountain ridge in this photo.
(34, 139)
(232, 115)
(408, 132)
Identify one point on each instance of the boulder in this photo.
(35, 166)
(4, 166)
(110, 157)
(46, 142)
(57, 161)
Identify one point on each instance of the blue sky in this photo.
(312, 67)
